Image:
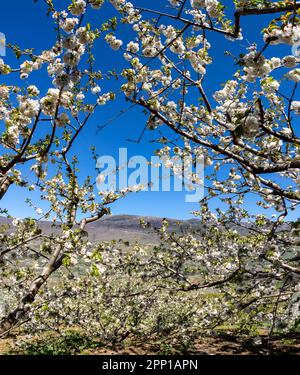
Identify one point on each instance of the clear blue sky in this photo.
(25, 24)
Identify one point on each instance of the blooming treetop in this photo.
(247, 128)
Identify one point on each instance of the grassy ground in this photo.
(74, 342)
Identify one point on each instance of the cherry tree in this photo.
(38, 132)
(247, 129)
(239, 267)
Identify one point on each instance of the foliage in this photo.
(68, 344)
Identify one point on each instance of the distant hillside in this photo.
(125, 227)
(128, 228)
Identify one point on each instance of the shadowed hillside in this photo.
(124, 227)
(128, 228)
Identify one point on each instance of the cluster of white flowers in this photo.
(84, 36)
(132, 47)
(289, 61)
(103, 99)
(198, 60)
(4, 92)
(114, 43)
(73, 49)
(28, 108)
(251, 126)
(33, 90)
(289, 34)
(95, 90)
(211, 6)
(78, 7)
(227, 93)
(4, 68)
(151, 44)
(71, 58)
(176, 43)
(269, 85)
(127, 8)
(27, 67)
(16, 119)
(295, 106)
(294, 75)
(96, 4)
(75, 46)
(256, 65)
(16, 221)
(237, 111)
(68, 24)
(50, 101)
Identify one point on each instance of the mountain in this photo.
(123, 227)
(128, 228)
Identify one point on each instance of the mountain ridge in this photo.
(123, 227)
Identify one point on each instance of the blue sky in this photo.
(25, 24)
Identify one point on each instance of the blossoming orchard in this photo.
(213, 79)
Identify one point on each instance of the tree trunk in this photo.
(15, 316)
